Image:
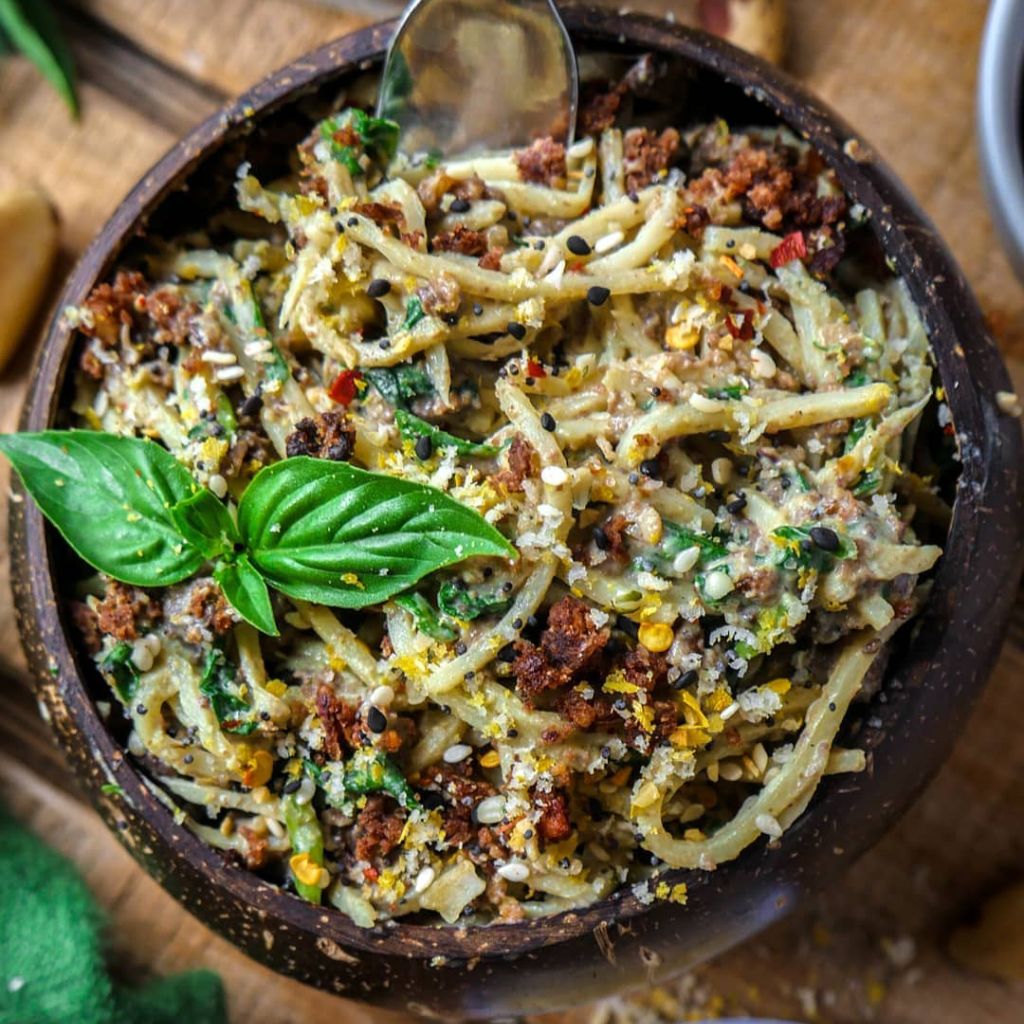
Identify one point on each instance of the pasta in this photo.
(636, 359)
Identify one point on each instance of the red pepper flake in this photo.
(741, 325)
(535, 369)
(344, 387)
(370, 874)
(791, 248)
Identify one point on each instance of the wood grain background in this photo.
(902, 71)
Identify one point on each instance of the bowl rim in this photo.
(764, 882)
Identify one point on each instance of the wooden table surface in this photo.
(902, 71)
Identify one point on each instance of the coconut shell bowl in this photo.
(935, 670)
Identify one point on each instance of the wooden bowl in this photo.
(908, 727)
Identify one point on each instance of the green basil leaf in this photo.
(244, 311)
(400, 384)
(244, 588)
(413, 314)
(32, 28)
(867, 483)
(219, 685)
(124, 676)
(205, 522)
(733, 392)
(333, 534)
(800, 552)
(678, 538)
(454, 598)
(111, 498)
(375, 772)
(428, 621)
(411, 427)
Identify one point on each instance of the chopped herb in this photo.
(219, 686)
(226, 414)
(456, 599)
(413, 314)
(856, 433)
(119, 666)
(111, 789)
(857, 379)
(799, 550)
(677, 538)
(399, 384)
(377, 137)
(427, 620)
(412, 427)
(733, 392)
(867, 483)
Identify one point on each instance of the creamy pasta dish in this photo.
(545, 510)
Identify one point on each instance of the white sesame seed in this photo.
(102, 403)
(425, 879)
(16, 983)
(382, 696)
(457, 752)
(547, 511)
(730, 771)
(263, 357)
(490, 810)
(686, 559)
(514, 871)
(717, 584)
(275, 827)
(554, 476)
(760, 757)
(721, 471)
(728, 712)
(768, 825)
(219, 358)
(255, 348)
(230, 373)
(761, 364)
(152, 643)
(218, 485)
(608, 242)
(704, 404)
(306, 791)
(135, 745)
(142, 656)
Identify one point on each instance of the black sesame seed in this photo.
(353, 222)
(577, 246)
(378, 287)
(649, 467)
(424, 447)
(141, 709)
(597, 295)
(431, 800)
(655, 392)
(291, 786)
(517, 623)
(826, 539)
(188, 759)
(507, 586)
(470, 676)
(547, 421)
(459, 205)
(601, 539)
(460, 648)
(731, 244)
(627, 626)
(385, 343)
(477, 309)
(688, 678)
(512, 733)
(831, 705)
(250, 408)
(517, 330)
(451, 319)
(737, 505)
(633, 478)
(376, 720)
(539, 244)
(720, 436)
(507, 653)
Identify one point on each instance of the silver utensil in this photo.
(468, 76)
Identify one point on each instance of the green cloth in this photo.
(51, 957)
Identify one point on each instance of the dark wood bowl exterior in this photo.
(455, 973)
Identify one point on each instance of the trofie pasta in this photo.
(675, 418)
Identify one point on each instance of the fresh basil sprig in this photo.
(316, 530)
(333, 534)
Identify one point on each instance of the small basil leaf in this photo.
(679, 538)
(205, 522)
(428, 621)
(219, 685)
(454, 598)
(413, 314)
(245, 590)
(111, 498)
(124, 676)
(333, 534)
(411, 427)
(33, 29)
